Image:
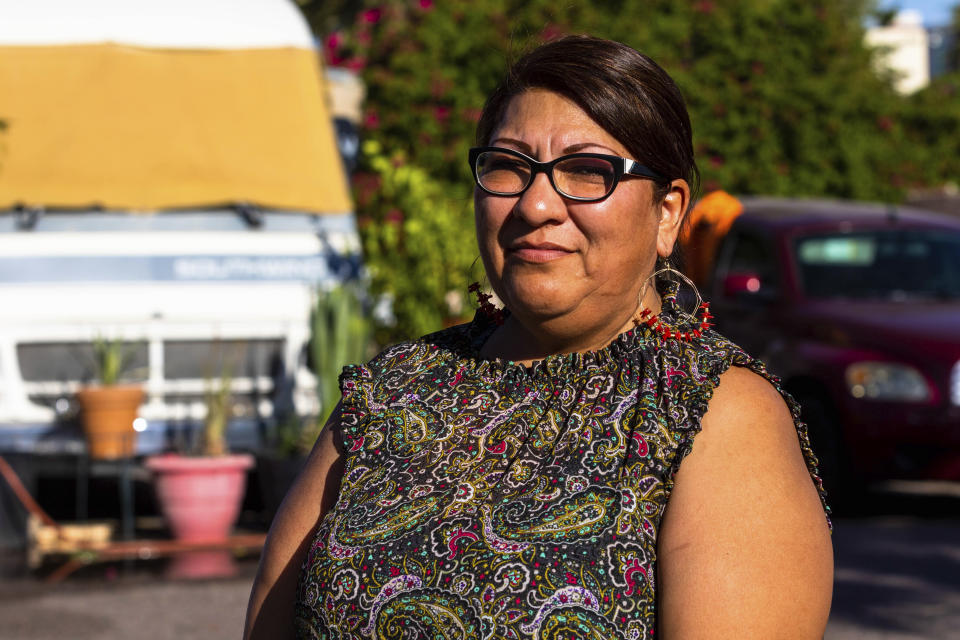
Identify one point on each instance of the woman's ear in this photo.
(672, 211)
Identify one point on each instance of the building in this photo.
(903, 48)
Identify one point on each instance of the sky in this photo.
(935, 12)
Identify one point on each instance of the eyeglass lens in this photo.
(507, 174)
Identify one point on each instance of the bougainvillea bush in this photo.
(783, 96)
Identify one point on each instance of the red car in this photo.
(857, 308)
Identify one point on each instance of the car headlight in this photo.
(886, 381)
(955, 384)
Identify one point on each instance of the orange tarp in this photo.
(708, 223)
(133, 128)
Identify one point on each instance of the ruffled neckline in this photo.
(623, 347)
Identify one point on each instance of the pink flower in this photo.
(441, 113)
(426, 5)
(356, 64)
(551, 32)
(371, 120)
(371, 16)
(333, 41)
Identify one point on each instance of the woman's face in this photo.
(548, 257)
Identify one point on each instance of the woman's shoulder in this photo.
(731, 395)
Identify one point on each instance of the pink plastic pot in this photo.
(200, 499)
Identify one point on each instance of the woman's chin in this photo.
(539, 302)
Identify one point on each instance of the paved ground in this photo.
(898, 566)
(898, 578)
(117, 605)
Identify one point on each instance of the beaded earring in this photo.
(494, 313)
(653, 321)
(665, 331)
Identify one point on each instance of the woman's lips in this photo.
(538, 252)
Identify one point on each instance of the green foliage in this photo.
(111, 359)
(294, 435)
(783, 96)
(341, 333)
(341, 336)
(798, 112)
(418, 241)
(217, 399)
(932, 118)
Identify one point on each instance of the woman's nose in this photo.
(541, 203)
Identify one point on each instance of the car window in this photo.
(880, 265)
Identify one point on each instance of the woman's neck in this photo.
(525, 340)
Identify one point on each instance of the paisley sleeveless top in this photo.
(485, 499)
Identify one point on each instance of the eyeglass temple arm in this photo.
(634, 168)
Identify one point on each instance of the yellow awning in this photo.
(141, 129)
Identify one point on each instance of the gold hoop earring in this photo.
(653, 320)
(679, 277)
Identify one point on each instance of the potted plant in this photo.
(109, 408)
(200, 495)
(340, 335)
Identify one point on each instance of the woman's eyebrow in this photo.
(574, 148)
(523, 147)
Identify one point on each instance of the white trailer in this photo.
(168, 176)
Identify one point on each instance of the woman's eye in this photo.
(503, 164)
(587, 170)
(590, 171)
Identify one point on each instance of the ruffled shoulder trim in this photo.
(360, 383)
(709, 358)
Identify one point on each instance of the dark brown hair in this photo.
(622, 90)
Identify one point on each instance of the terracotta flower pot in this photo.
(107, 415)
(200, 498)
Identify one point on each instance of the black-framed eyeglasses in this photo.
(585, 177)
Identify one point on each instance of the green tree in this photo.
(783, 94)
(932, 120)
(785, 101)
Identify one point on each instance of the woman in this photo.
(534, 473)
